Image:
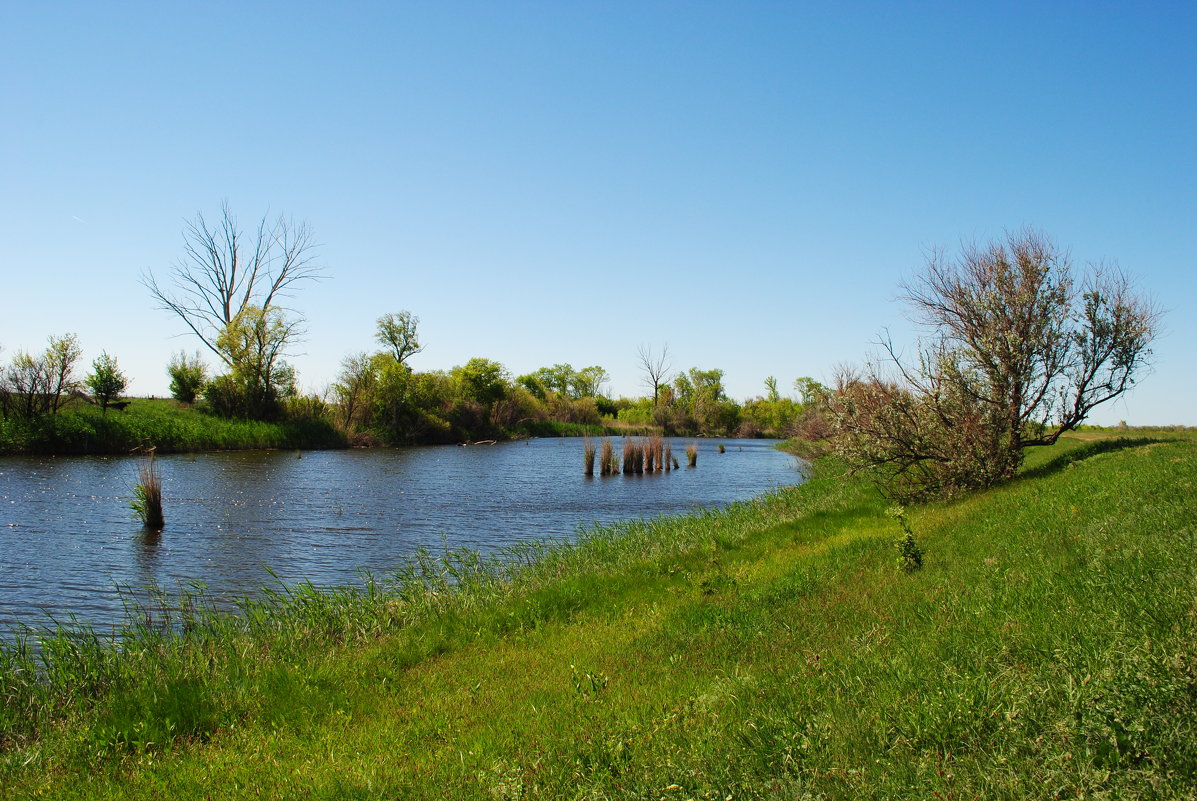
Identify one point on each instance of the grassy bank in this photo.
(1046, 650)
(165, 424)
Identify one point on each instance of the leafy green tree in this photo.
(399, 333)
(355, 388)
(32, 386)
(61, 357)
(810, 390)
(563, 379)
(188, 374)
(106, 380)
(481, 380)
(773, 395)
(588, 382)
(254, 344)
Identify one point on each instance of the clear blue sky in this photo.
(562, 182)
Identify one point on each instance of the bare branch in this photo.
(221, 275)
(656, 368)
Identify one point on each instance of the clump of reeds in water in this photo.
(608, 461)
(588, 456)
(656, 446)
(721, 448)
(667, 460)
(650, 457)
(147, 495)
(692, 454)
(633, 456)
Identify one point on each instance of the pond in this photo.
(69, 541)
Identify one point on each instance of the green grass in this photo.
(1046, 649)
(165, 424)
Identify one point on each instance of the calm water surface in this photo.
(68, 539)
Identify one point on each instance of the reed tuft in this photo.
(608, 461)
(692, 455)
(654, 454)
(147, 495)
(588, 456)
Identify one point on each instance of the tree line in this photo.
(1019, 346)
(229, 291)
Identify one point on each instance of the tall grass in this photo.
(608, 461)
(147, 495)
(667, 460)
(656, 454)
(691, 454)
(588, 453)
(632, 456)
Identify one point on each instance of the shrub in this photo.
(1020, 353)
(106, 380)
(188, 374)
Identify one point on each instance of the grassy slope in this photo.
(165, 424)
(1047, 650)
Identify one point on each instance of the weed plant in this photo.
(692, 455)
(910, 556)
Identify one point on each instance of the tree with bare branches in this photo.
(656, 369)
(1017, 352)
(227, 290)
(226, 271)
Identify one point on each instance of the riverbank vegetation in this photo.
(163, 425)
(1045, 649)
(377, 399)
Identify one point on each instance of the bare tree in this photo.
(1017, 354)
(656, 369)
(225, 271)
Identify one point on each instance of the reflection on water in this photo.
(68, 539)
